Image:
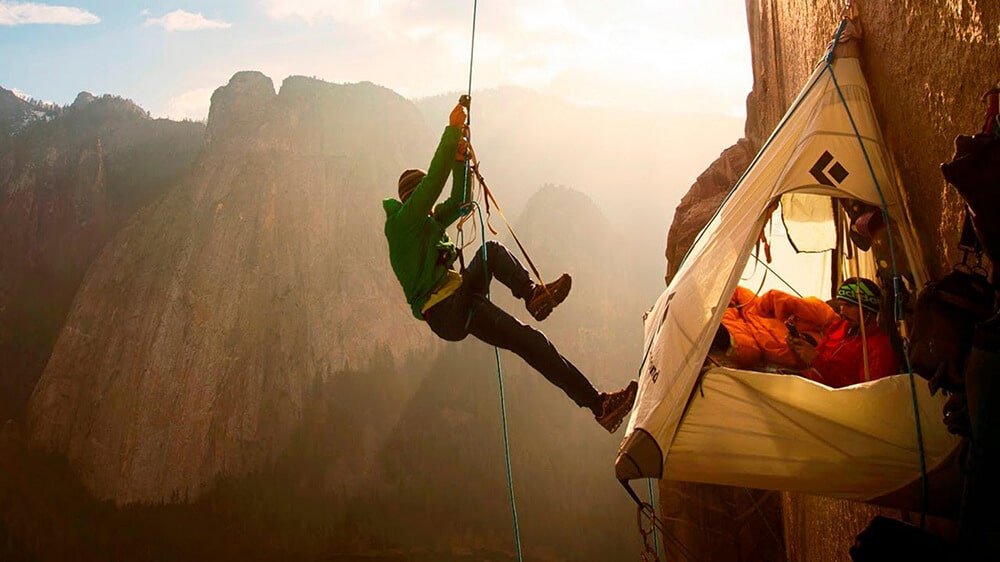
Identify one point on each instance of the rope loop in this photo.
(646, 518)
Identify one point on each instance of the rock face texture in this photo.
(66, 186)
(16, 113)
(13, 111)
(701, 201)
(199, 328)
(927, 65)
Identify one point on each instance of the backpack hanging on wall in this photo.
(974, 171)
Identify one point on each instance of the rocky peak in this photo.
(298, 87)
(239, 107)
(564, 230)
(561, 217)
(67, 183)
(16, 113)
(260, 273)
(106, 109)
(11, 103)
(82, 99)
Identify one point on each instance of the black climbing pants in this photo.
(468, 311)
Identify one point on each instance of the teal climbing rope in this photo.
(896, 279)
(472, 48)
(653, 502)
(486, 266)
(503, 402)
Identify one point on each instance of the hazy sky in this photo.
(168, 56)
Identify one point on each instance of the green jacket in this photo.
(419, 249)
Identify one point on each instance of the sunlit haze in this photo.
(658, 55)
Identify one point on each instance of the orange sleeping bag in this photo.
(757, 329)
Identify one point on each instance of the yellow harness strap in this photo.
(451, 283)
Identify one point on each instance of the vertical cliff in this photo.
(199, 328)
(66, 186)
(927, 64)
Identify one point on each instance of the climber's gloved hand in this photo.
(457, 117)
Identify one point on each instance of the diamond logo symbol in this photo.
(828, 171)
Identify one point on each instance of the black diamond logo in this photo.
(822, 167)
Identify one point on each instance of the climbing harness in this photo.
(488, 199)
(650, 552)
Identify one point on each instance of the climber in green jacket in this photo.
(454, 303)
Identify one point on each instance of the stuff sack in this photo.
(975, 173)
(944, 320)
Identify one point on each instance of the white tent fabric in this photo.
(815, 150)
(808, 220)
(797, 269)
(751, 429)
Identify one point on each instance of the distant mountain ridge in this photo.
(16, 113)
(561, 457)
(261, 268)
(261, 271)
(67, 184)
(241, 325)
(631, 161)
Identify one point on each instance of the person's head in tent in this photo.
(858, 301)
(853, 348)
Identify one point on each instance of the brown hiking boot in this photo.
(542, 300)
(614, 406)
